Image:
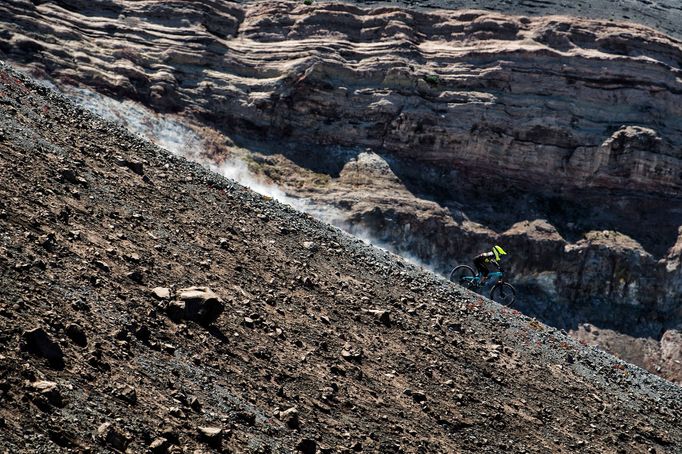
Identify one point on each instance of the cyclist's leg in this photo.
(480, 265)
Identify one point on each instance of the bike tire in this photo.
(504, 294)
(460, 272)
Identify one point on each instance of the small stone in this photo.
(383, 316)
(290, 418)
(104, 266)
(418, 396)
(177, 412)
(211, 435)
(170, 434)
(128, 394)
(307, 446)
(134, 257)
(159, 446)
(168, 348)
(50, 390)
(310, 245)
(77, 335)
(162, 293)
(68, 175)
(136, 276)
(194, 403)
(135, 166)
(48, 242)
(110, 435)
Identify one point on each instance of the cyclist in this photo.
(493, 256)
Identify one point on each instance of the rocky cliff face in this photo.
(541, 100)
(439, 131)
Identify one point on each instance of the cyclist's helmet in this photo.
(498, 251)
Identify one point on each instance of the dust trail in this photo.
(176, 137)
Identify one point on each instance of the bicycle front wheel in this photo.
(463, 275)
(503, 294)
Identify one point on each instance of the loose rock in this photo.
(109, 435)
(38, 342)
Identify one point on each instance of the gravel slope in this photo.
(372, 353)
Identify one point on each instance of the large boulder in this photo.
(39, 343)
(199, 304)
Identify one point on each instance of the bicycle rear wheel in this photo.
(463, 275)
(503, 294)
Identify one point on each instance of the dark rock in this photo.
(50, 390)
(136, 166)
(290, 418)
(127, 393)
(418, 396)
(211, 435)
(246, 418)
(136, 276)
(198, 304)
(109, 435)
(143, 333)
(48, 242)
(38, 342)
(77, 335)
(160, 445)
(307, 446)
(194, 403)
(68, 175)
(104, 266)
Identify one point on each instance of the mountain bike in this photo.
(502, 292)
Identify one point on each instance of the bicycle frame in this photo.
(495, 276)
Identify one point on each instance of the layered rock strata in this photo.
(559, 101)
